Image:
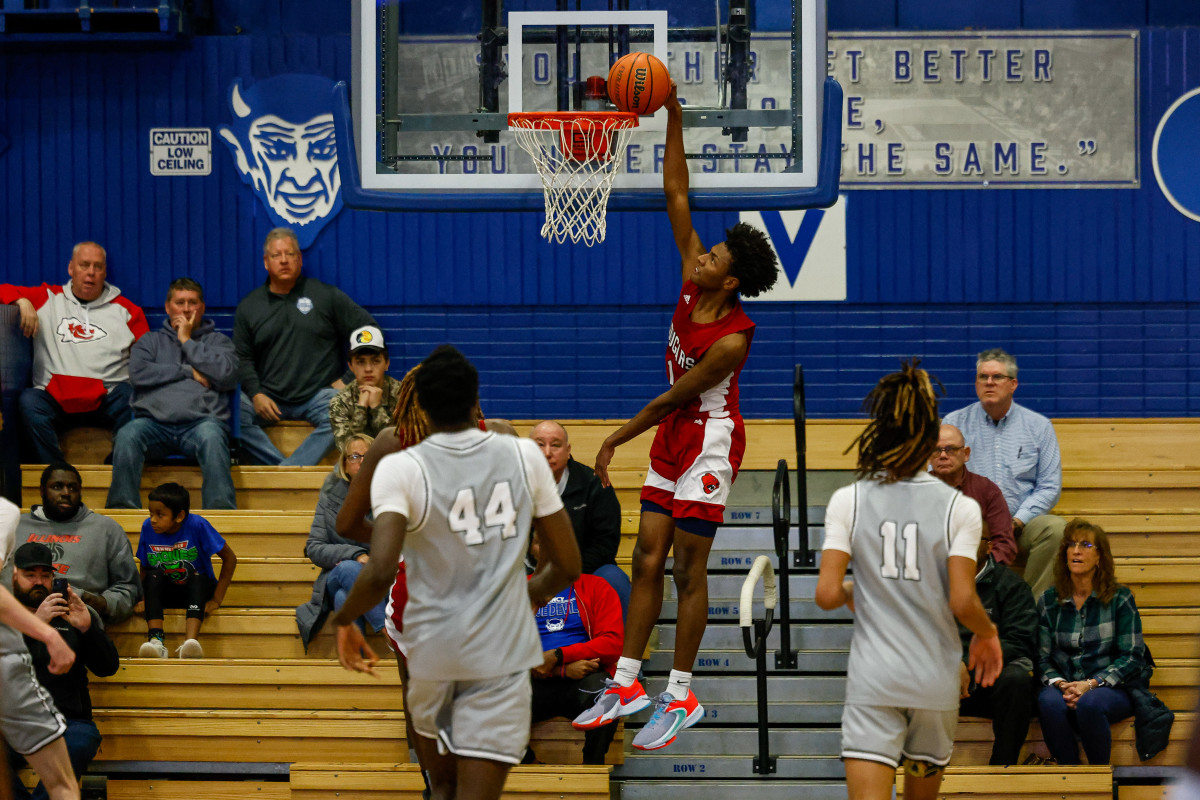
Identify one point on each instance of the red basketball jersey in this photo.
(688, 341)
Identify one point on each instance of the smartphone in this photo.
(59, 585)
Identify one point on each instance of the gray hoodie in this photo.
(91, 551)
(160, 369)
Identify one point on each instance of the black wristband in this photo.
(558, 656)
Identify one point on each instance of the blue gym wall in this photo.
(1096, 292)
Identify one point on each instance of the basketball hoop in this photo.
(577, 155)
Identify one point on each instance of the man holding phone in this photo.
(52, 600)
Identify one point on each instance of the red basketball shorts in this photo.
(393, 622)
(693, 463)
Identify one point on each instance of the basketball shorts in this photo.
(487, 718)
(895, 735)
(393, 622)
(28, 718)
(693, 462)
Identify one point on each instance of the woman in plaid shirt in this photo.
(1090, 647)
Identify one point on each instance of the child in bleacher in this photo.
(175, 550)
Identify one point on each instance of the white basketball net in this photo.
(577, 155)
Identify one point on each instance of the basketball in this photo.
(638, 82)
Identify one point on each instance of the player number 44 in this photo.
(889, 568)
(500, 512)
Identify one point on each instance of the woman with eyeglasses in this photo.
(1090, 648)
(340, 559)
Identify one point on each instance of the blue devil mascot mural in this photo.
(283, 145)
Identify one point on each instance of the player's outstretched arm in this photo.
(351, 519)
(985, 656)
(675, 186)
(558, 562)
(716, 364)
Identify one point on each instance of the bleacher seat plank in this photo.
(259, 534)
(242, 633)
(275, 684)
(270, 582)
(366, 781)
(1027, 783)
(1172, 632)
(973, 741)
(250, 735)
(1161, 582)
(266, 488)
(1141, 792)
(87, 445)
(555, 741)
(165, 789)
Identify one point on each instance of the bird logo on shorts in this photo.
(709, 482)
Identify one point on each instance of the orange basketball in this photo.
(638, 82)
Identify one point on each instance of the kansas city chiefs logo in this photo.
(76, 331)
(709, 482)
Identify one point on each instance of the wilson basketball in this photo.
(638, 82)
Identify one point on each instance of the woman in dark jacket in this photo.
(1090, 648)
(340, 559)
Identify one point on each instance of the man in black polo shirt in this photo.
(288, 335)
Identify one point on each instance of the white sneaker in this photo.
(190, 649)
(153, 648)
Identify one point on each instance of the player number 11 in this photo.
(889, 569)
(464, 514)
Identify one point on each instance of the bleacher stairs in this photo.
(259, 712)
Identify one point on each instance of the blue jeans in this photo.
(338, 584)
(259, 448)
(82, 740)
(42, 415)
(207, 441)
(615, 577)
(1090, 718)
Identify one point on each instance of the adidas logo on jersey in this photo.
(687, 298)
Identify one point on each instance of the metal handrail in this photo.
(781, 523)
(756, 648)
(804, 554)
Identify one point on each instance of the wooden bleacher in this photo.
(259, 698)
(1022, 783)
(374, 781)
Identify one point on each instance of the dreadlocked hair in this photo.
(904, 425)
(412, 423)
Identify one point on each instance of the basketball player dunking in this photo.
(461, 503)
(695, 455)
(912, 540)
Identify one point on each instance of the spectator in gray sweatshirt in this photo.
(90, 550)
(182, 376)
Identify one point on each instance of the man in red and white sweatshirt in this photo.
(82, 332)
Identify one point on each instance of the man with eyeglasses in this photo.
(1016, 449)
(949, 462)
(288, 335)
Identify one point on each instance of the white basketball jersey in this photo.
(905, 648)
(470, 498)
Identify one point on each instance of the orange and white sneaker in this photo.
(669, 718)
(615, 701)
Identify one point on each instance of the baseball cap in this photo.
(368, 337)
(33, 554)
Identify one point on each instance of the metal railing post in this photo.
(764, 762)
(804, 554)
(781, 523)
